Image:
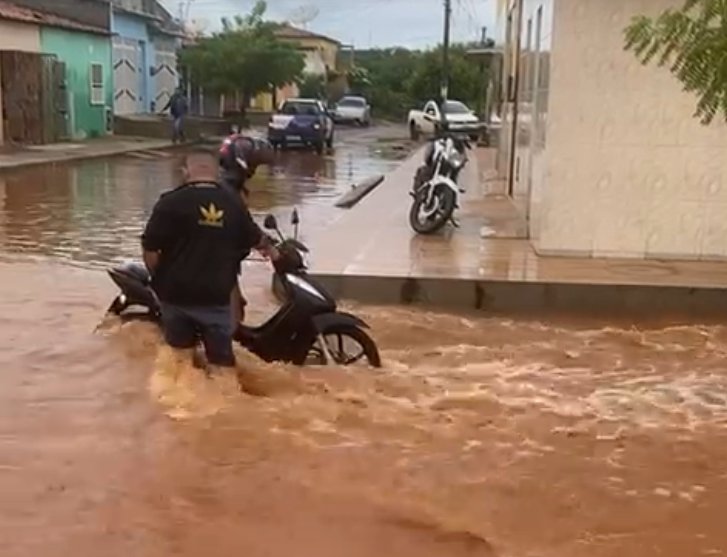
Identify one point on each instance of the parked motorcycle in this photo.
(436, 191)
(307, 329)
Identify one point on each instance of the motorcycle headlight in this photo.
(457, 160)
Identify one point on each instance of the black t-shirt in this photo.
(203, 232)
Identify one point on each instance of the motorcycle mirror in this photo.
(270, 222)
(295, 218)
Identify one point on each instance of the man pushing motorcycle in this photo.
(194, 242)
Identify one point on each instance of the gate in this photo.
(165, 77)
(54, 99)
(127, 66)
(21, 83)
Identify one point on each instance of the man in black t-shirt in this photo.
(194, 242)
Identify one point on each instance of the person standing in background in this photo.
(178, 109)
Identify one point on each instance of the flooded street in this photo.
(480, 436)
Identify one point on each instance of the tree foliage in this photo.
(245, 56)
(312, 86)
(396, 80)
(692, 41)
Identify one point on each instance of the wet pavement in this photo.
(482, 248)
(480, 436)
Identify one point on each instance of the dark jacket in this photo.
(177, 105)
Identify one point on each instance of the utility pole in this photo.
(445, 50)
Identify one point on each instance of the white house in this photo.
(602, 153)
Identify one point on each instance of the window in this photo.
(352, 101)
(97, 85)
(455, 107)
(291, 108)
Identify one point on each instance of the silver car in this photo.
(353, 110)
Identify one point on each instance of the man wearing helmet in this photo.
(240, 155)
(239, 158)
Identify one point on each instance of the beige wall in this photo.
(17, 36)
(318, 53)
(628, 170)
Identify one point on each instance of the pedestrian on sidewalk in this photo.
(178, 109)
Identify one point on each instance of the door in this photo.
(165, 78)
(127, 83)
(22, 84)
(54, 100)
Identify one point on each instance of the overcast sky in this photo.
(364, 23)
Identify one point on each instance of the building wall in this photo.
(625, 170)
(17, 36)
(79, 51)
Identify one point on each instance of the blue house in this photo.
(145, 43)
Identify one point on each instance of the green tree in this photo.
(312, 86)
(245, 56)
(692, 41)
(466, 82)
(396, 80)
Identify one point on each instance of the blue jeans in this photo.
(184, 326)
(178, 128)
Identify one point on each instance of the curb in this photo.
(73, 157)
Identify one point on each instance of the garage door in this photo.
(127, 84)
(165, 77)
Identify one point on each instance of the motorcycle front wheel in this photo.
(429, 218)
(347, 345)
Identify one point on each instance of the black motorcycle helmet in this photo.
(240, 155)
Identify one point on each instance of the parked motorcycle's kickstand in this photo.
(454, 222)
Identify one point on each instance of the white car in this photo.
(353, 109)
(460, 119)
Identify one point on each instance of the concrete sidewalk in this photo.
(65, 152)
(371, 254)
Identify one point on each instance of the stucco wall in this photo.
(630, 172)
(79, 51)
(17, 36)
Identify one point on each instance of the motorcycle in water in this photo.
(307, 329)
(435, 191)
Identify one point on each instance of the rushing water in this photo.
(481, 436)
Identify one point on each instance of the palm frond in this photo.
(692, 41)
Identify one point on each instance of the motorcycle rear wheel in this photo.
(335, 338)
(446, 200)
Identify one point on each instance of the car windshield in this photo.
(455, 107)
(293, 108)
(359, 103)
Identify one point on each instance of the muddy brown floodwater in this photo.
(481, 436)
